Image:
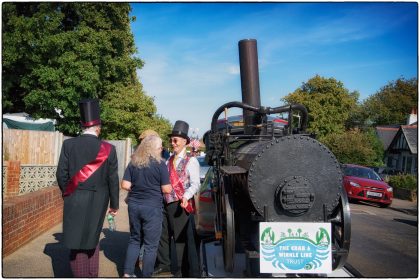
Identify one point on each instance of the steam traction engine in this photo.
(265, 173)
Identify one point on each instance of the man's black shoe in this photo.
(178, 274)
(162, 272)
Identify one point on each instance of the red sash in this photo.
(178, 185)
(88, 169)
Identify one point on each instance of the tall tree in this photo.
(55, 54)
(125, 113)
(328, 102)
(392, 103)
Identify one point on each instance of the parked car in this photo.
(205, 207)
(362, 183)
(204, 167)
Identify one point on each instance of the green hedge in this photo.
(408, 182)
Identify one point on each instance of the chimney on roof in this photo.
(412, 118)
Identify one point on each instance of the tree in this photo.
(55, 54)
(357, 118)
(127, 115)
(328, 102)
(355, 146)
(392, 103)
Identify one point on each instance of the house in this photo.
(402, 152)
(386, 134)
(400, 145)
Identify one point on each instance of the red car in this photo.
(362, 183)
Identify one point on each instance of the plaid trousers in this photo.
(85, 263)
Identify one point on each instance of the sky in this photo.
(191, 53)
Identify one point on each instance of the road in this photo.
(384, 242)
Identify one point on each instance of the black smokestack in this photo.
(250, 83)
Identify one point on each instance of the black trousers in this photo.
(165, 249)
(179, 227)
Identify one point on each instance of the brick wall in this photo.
(27, 216)
(12, 179)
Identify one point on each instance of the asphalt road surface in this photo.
(384, 242)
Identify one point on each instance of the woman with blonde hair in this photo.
(146, 178)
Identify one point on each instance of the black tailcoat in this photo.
(85, 209)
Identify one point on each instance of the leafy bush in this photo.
(355, 146)
(408, 182)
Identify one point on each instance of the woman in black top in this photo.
(146, 178)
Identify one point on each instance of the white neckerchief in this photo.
(89, 132)
(179, 156)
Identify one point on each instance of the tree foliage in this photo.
(392, 103)
(328, 102)
(55, 54)
(355, 146)
(335, 116)
(124, 114)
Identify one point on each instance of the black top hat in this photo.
(89, 112)
(180, 129)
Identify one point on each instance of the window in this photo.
(361, 173)
(409, 161)
(403, 163)
(389, 164)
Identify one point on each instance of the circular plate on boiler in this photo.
(295, 176)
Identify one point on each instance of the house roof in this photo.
(386, 134)
(410, 133)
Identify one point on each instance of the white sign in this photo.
(295, 248)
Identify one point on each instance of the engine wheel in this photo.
(228, 235)
(341, 232)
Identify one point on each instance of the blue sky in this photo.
(191, 55)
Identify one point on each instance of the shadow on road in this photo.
(408, 222)
(59, 255)
(114, 245)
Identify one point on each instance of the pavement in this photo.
(405, 206)
(46, 256)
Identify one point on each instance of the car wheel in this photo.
(351, 200)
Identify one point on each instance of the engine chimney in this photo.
(412, 118)
(248, 60)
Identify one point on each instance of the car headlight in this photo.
(354, 184)
(389, 189)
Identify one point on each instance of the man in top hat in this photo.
(184, 174)
(87, 174)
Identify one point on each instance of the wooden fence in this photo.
(123, 149)
(32, 147)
